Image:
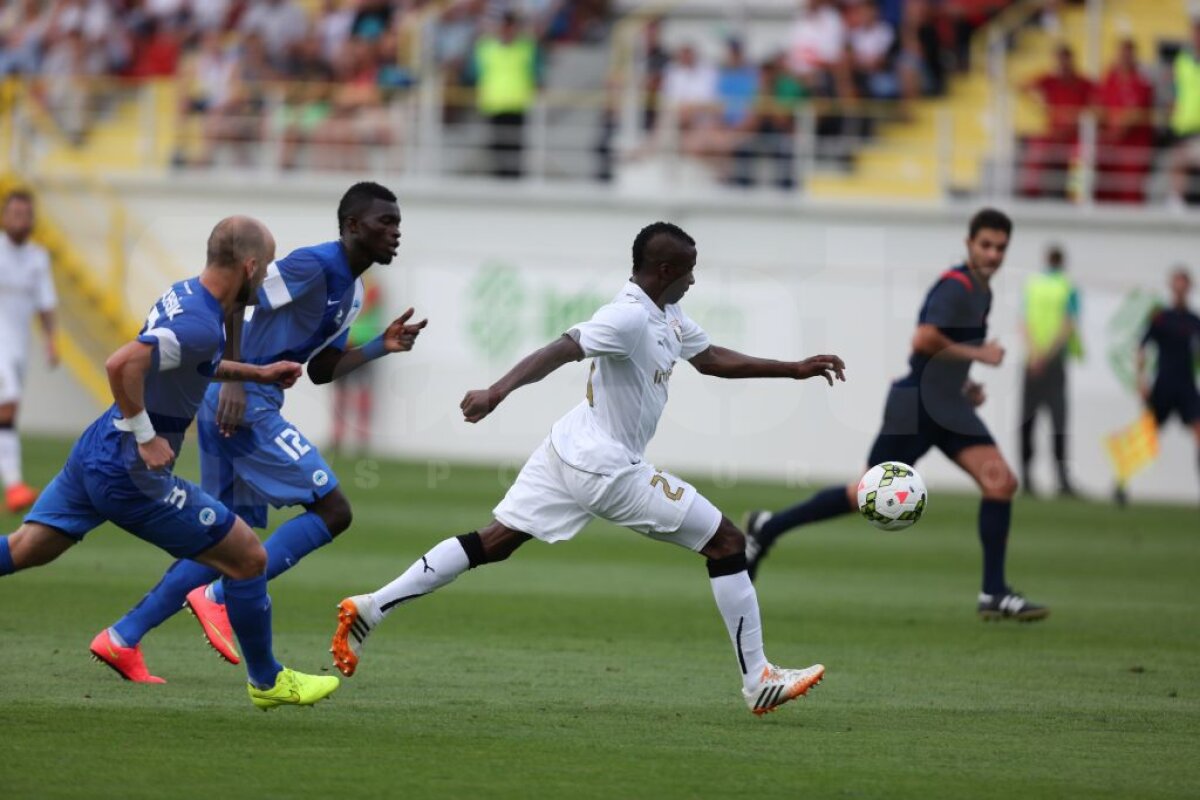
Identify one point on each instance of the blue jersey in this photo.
(186, 328)
(958, 306)
(306, 303)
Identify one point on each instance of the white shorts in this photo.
(12, 377)
(552, 501)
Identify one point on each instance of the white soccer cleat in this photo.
(354, 626)
(777, 686)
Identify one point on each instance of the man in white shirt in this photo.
(592, 463)
(26, 286)
(818, 40)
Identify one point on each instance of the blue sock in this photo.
(292, 541)
(249, 609)
(829, 502)
(164, 600)
(995, 516)
(6, 562)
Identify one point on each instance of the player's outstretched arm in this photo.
(333, 363)
(930, 341)
(284, 373)
(127, 369)
(537, 365)
(721, 362)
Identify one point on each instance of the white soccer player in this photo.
(26, 286)
(592, 463)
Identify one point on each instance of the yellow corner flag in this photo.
(1134, 447)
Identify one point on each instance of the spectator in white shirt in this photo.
(817, 44)
(871, 39)
(280, 23)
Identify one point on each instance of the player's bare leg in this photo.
(1196, 431)
(765, 686)
(997, 600)
(18, 496)
(31, 545)
(358, 615)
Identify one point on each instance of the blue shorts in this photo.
(916, 421)
(266, 462)
(161, 508)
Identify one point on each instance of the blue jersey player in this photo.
(1175, 332)
(250, 455)
(120, 469)
(934, 406)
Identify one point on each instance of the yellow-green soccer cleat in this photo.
(293, 689)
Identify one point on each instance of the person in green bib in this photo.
(507, 69)
(1051, 318)
(1185, 119)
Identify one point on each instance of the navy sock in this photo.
(6, 562)
(829, 502)
(249, 609)
(292, 541)
(164, 600)
(995, 516)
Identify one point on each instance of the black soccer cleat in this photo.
(756, 547)
(1010, 605)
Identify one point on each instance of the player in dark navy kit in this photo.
(934, 406)
(251, 456)
(1175, 331)
(120, 469)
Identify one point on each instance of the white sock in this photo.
(116, 638)
(738, 603)
(10, 457)
(445, 562)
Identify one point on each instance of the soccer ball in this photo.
(891, 496)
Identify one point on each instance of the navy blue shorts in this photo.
(915, 421)
(159, 507)
(1178, 398)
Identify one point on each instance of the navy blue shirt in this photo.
(958, 306)
(186, 327)
(1176, 332)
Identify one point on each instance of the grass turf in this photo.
(600, 668)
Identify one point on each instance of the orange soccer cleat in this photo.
(125, 661)
(214, 621)
(19, 497)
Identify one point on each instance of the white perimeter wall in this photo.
(501, 270)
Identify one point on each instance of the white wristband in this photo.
(139, 425)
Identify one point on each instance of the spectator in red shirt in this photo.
(157, 54)
(1125, 98)
(1066, 95)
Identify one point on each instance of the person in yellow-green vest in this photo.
(1051, 318)
(1185, 119)
(507, 72)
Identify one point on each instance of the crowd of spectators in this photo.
(860, 60)
(1142, 112)
(331, 72)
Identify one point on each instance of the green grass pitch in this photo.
(600, 668)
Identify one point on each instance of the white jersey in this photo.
(26, 286)
(633, 345)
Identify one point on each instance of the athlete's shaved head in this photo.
(236, 240)
(661, 243)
